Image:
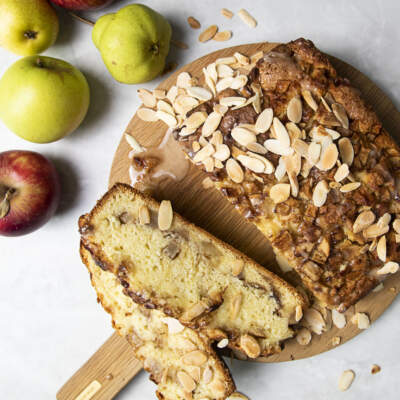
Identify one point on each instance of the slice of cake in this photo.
(165, 263)
(298, 152)
(180, 360)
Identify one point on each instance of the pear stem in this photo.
(81, 19)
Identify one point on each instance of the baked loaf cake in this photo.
(165, 263)
(180, 360)
(297, 151)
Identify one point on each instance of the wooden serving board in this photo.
(208, 209)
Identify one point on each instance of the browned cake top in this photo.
(296, 150)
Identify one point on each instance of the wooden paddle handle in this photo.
(104, 374)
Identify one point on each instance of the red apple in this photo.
(82, 4)
(29, 192)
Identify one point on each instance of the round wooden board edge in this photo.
(389, 115)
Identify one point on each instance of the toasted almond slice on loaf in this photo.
(166, 354)
(166, 269)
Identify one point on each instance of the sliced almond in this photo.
(226, 60)
(339, 319)
(340, 114)
(159, 94)
(346, 151)
(165, 215)
(222, 152)
(328, 158)
(243, 136)
(169, 119)
(217, 138)
(326, 105)
(315, 320)
(196, 357)
(256, 148)
(320, 193)
(390, 267)
(303, 337)
(341, 173)
(294, 110)
(268, 166)
(279, 192)
(224, 71)
(298, 313)
(205, 152)
(250, 346)
(375, 230)
(335, 341)
(247, 18)
(251, 163)
(237, 267)
(136, 147)
(207, 183)
(276, 147)
(195, 120)
(147, 114)
(226, 13)
(147, 98)
(223, 343)
(232, 101)
(220, 109)
(241, 59)
(211, 70)
(281, 132)
(194, 311)
(381, 248)
(199, 93)
(314, 152)
(384, 220)
(301, 147)
(307, 96)
(239, 82)
(264, 120)
(208, 33)
(144, 215)
(334, 134)
(346, 379)
(193, 23)
(186, 381)
(222, 36)
(185, 131)
(208, 164)
(196, 146)
(172, 93)
(184, 104)
(362, 321)
(164, 106)
(224, 83)
(234, 171)
(174, 326)
(211, 124)
(364, 220)
(256, 56)
(396, 225)
(207, 375)
(235, 306)
(349, 187)
(184, 80)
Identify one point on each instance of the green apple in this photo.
(27, 27)
(43, 99)
(134, 43)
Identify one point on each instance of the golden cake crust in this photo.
(314, 227)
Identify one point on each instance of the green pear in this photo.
(27, 27)
(43, 99)
(133, 42)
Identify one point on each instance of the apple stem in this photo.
(5, 203)
(81, 19)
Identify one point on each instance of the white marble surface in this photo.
(50, 322)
